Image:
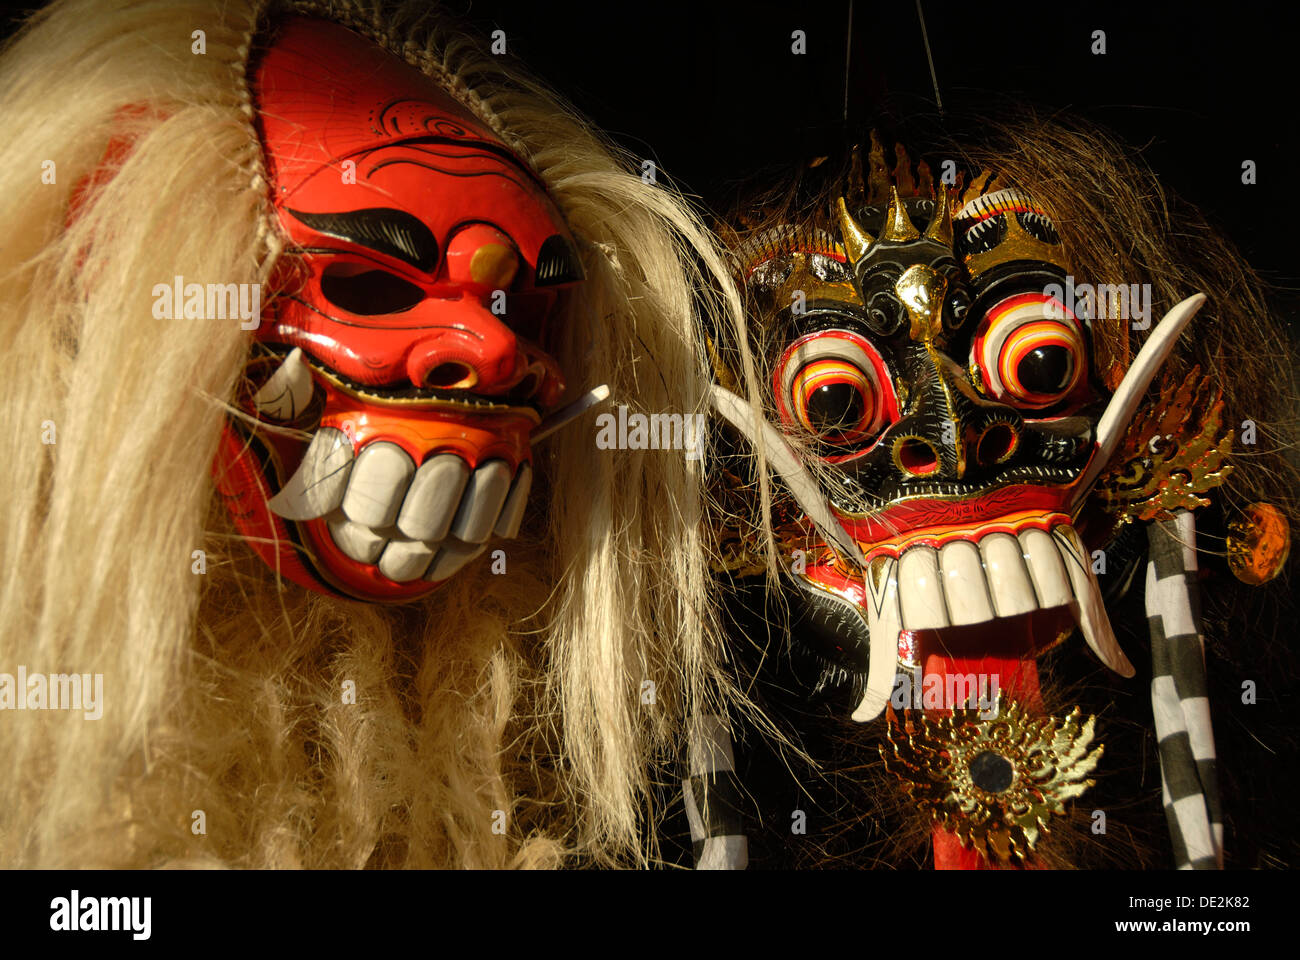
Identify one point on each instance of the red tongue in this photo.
(1017, 679)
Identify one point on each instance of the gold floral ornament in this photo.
(1172, 453)
(993, 782)
(1259, 543)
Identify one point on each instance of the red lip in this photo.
(929, 512)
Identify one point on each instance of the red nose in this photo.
(471, 349)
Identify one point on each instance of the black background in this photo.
(712, 92)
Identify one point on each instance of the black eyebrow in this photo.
(393, 232)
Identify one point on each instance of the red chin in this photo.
(361, 581)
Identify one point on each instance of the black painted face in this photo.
(925, 359)
(919, 379)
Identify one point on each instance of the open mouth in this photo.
(410, 522)
(1000, 574)
(399, 485)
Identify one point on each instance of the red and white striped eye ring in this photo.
(834, 385)
(1029, 350)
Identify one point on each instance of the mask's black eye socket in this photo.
(370, 292)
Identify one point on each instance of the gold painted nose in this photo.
(921, 289)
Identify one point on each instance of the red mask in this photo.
(404, 330)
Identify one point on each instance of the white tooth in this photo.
(316, 487)
(356, 540)
(512, 514)
(884, 622)
(431, 502)
(963, 583)
(921, 591)
(1045, 568)
(1093, 621)
(405, 560)
(453, 555)
(1008, 578)
(481, 504)
(288, 392)
(379, 480)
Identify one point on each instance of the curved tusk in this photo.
(288, 392)
(1128, 395)
(884, 623)
(787, 466)
(318, 485)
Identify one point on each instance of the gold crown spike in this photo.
(980, 184)
(940, 228)
(856, 240)
(898, 225)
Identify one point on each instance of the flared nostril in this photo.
(996, 444)
(450, 376)
(915, 456)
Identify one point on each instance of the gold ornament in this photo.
(1258, 544)
(993, 782)
(1171, 454)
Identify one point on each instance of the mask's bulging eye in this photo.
(834, 399)
(368, 293)
(1029, 351)
(830, 384)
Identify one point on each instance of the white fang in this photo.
(288, 392)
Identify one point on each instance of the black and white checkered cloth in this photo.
(712, 794)
(1179, 698)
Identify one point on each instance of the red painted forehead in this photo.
(347, 126)
(325, 94)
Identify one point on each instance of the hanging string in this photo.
(848, 55)
(925, 37)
